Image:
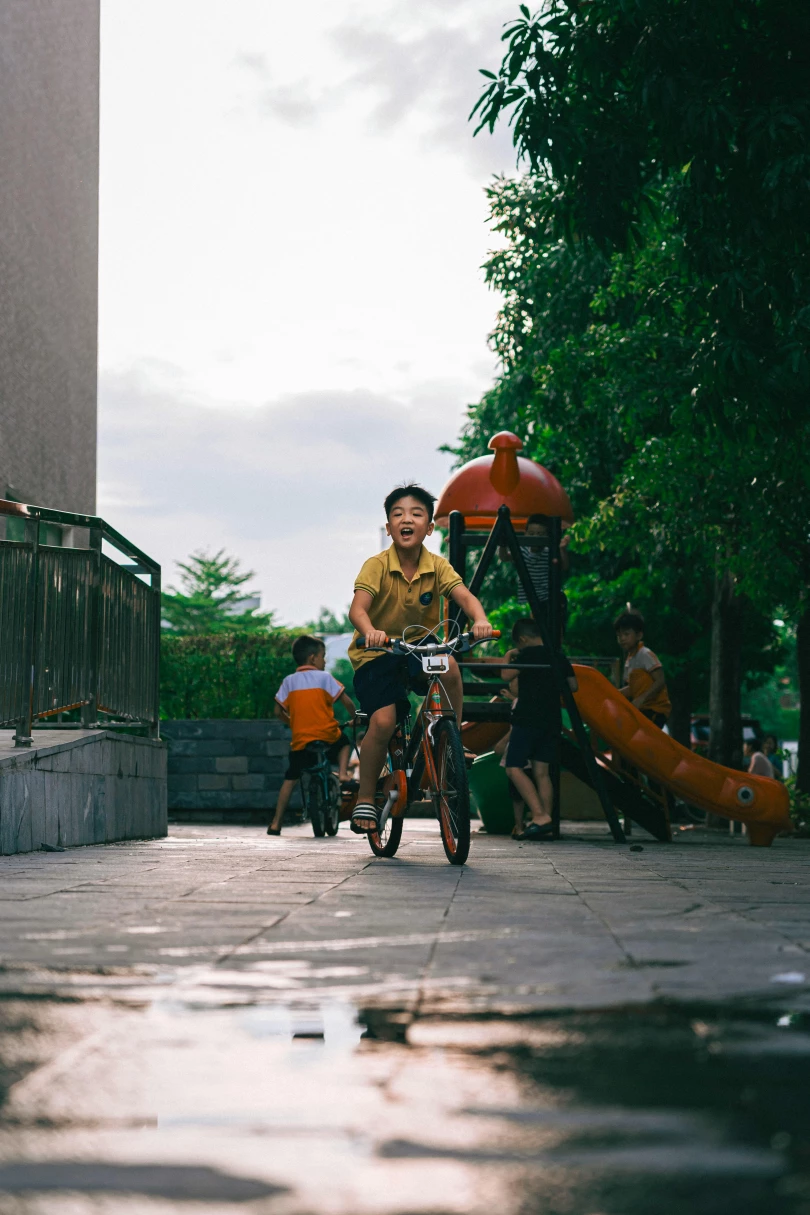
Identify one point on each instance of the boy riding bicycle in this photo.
(305, 701)
(400, 587)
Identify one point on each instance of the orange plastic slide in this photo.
(757, 801)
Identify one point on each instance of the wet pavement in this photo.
(225, 1022)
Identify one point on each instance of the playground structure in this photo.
(632, 766)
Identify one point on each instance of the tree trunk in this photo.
(679, 686)
(725, 742)
(803, 660)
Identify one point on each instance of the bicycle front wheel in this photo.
(386, 841)
(452, 797)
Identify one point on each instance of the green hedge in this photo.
(223, 675)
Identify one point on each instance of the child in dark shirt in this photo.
(536, 726)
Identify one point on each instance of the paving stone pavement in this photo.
(292, 1025)
(580, 923)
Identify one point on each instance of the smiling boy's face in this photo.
(408, 524)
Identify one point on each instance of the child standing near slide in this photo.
(645, 684)
(536, 726)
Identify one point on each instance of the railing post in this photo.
(154, 727)
(90, 709)
(23, 736)
(456, 552)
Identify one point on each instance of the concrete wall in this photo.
(80, 787)
(49, 77)
(221, 768)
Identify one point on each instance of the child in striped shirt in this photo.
(538, 560)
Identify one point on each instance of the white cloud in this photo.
(293, 314)
(294, 488)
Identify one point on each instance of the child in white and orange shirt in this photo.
(645, 684)
(306, 702)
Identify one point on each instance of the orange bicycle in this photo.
(429, 755)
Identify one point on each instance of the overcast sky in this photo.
(292, 311)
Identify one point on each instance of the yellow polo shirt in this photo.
(397, 602)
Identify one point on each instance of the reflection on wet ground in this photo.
(226, 1022)
(269, 1107)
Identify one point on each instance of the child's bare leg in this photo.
(284, 795)
(373, 750)
(542, 778)
(526, 788)
(343, 763)
(518, 809)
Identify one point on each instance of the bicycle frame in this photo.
(434, 707)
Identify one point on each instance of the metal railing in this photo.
(79, 630)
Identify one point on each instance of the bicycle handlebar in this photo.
(458, 645)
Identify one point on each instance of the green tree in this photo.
(674, 123)
(328, 622)
(597, 358)
(213, 589)
(617, 102)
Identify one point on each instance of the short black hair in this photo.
(525, 627)
(543, 520)
(629, 619)
(410, 491)
(304, 648)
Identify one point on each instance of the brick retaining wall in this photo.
(225, 769)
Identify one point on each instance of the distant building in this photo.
(49, 114)
(253, 603)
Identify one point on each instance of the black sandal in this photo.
(367, 812)
(537, 831)
(274, 831)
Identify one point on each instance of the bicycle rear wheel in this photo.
(453, 794)
(315, 802)
(331, 819)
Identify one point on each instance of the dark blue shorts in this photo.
(307, 757)
(527, 743)
(386, 680)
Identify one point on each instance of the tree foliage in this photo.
(328, 622)
(617, 102)
(213, 590)
(232, 675)
(597, 354)
(656, 276)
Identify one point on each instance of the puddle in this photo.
(269, 1107)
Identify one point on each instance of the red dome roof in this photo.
(505, 478)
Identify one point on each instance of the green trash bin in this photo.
(489, 794)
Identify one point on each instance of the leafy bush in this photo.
(799, 807)
(233, 675)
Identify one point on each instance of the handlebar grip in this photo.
(361, 642)
(496, 633)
